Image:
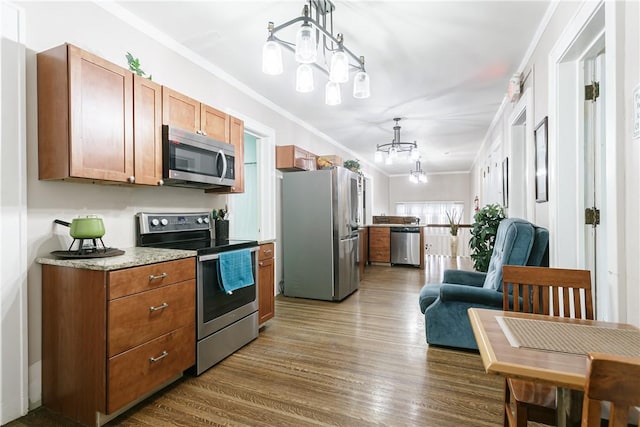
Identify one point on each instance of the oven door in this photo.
(215, 308)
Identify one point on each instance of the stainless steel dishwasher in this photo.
(405, 246)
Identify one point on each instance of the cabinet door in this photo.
(236, 132)
(101, 125)
(214, 123)
(266, 301)
(379, 244)
(147, 118)
(180, 111)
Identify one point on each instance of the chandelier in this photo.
(395, 147)
(418, 175)
(314, 42)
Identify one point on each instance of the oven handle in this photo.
(216, 256)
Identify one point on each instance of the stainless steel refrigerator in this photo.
(320, 234)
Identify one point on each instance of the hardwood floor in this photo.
(361, 362)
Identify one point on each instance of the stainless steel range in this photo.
(225, 321)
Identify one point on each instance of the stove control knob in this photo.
(164, 221)
(199, 220)
(155, 222)
(206, 220)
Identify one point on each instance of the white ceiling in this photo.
(441, 66)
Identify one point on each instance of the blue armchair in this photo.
(518, 242)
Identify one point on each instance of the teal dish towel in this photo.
(234, 270)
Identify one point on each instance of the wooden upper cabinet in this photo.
(236, 133)
(215, 124)
(85, 117)
(147, 118)
(236, 137)
(293, 158)
(191, 115)
(180, 111)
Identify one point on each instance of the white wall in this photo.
(623, 161)
(441, 187)
(13, 215)
(98, 31)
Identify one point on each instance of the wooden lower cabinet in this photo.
(380, 244)
(266, 283)
(111, 337)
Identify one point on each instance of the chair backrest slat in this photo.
(613, 379)
(534, 287)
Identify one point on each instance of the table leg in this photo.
(569, 407)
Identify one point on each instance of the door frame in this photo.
(521, 132)
(592, 21)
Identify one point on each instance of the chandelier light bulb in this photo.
(378, 156)
(361, 85)
(393, 152)
(339, 71)
(271, 58)
(304, 78)
(412, 178)
(332, 94)
(306, 52)
(422, 178)
(388, 161)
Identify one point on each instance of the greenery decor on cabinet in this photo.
(134, 66)
(483, 235)
(353, 165)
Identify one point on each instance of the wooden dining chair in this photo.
(549, 291)
(613, 379)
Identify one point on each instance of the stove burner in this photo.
(88, 248)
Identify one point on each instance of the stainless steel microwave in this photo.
(196, 161)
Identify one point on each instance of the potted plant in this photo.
(483, 235)
(454, 224)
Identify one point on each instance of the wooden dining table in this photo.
(547, 349)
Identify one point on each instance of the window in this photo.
(430, 212)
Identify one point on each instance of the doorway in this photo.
(577, 161)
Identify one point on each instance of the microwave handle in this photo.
(224, 165)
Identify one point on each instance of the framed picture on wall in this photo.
(505, 182)
(542, 160)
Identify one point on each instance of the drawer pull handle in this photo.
(162, 356)
(261, 263)
(268, 251)
(162, 276)
(160, 307)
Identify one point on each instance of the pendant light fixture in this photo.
(271, 58)
(361, 82)
(396, 147)
(304, 78)
(315, 39)
(418, 175)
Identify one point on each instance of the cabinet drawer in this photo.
(266, 251)
(146, 277)
(379, 255)
(138, 318)
(134, 373)
(379, 232)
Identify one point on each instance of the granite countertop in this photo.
(132, 257)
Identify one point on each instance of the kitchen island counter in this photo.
(132, 257)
